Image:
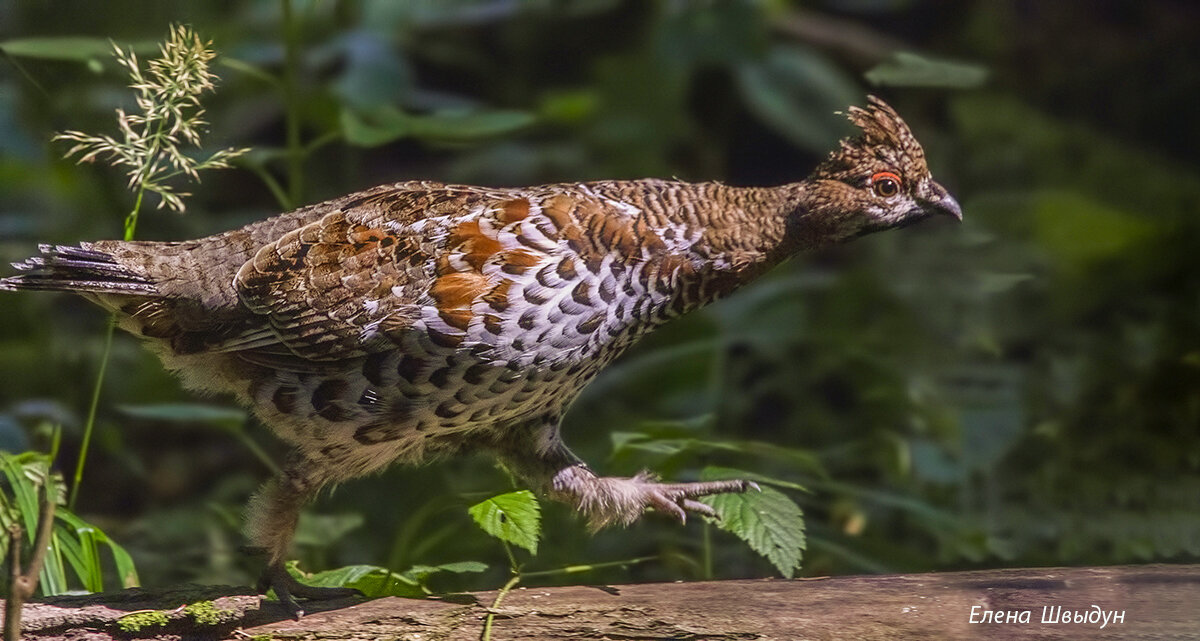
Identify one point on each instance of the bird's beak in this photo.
(947, 205)
(941, 202)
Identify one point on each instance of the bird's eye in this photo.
(885, 184)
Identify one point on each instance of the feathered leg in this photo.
(542, 458)
(270, 525)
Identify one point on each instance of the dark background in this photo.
(1023, 389)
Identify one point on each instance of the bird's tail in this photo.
(77, 269)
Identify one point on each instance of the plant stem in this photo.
(513, 567)
(22, 585)
(91, 417)
(575, 569)
(273, 185)
(487, 623)
(131, 221)
(708, 552)
(256, 450)
(295, 151)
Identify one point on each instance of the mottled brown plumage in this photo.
(420, 319)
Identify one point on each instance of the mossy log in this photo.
(1124, 602)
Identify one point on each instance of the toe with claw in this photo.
(288, 589)
(611, 500)
(677, 499)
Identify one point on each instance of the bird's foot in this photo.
(288, 589)
(677, 499)
(608, 500)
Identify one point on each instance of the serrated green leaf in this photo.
(907, 69)
(343, 576)
(514, 517)
(371, 580)
(716, 473)
(419, 572)
(375, 581)
(770, 522)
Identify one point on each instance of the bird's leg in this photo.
(270, 525)
(544, 459)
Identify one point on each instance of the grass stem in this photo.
(90, 424)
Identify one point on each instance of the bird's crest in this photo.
(884, 138)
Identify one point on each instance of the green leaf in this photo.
(371, 580)
(906, 69)
(254, 71)
(715, 473)
(79, 546)
(769, 521)
(421, 573)
(514, 517)
(374, 581)
(187, 413)
(661, 449)
(998, 283)
(797, 92)
(23, 487)
(76, 48)
(1079, 230)
(385, 124)
(92, 537)
(918, 508)
(457, 567)
(25, 473)
(324, 529)
(73, 542)
(64, 551)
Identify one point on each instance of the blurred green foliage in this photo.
(26, 482)
(1023, 389)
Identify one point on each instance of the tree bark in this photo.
(1123, 602)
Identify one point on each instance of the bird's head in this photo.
(877, 180)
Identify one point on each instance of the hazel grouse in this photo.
(419, 319)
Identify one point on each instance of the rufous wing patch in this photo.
(476, 247)
(512, 211)
(457, 290)
(517, 261)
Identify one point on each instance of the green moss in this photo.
(141, 620)
(262, 637)
(204, 612)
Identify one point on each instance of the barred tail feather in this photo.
(76, 269)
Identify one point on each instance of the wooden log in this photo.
(1123, 602)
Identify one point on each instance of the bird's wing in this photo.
(352, 282)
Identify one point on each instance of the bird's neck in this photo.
(746, 232)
